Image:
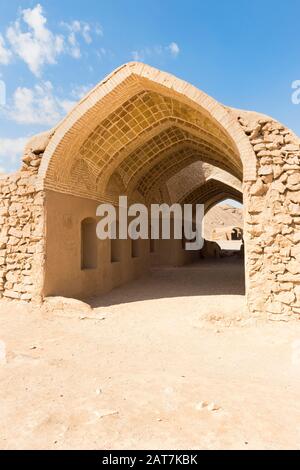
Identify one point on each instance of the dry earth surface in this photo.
(181, 368)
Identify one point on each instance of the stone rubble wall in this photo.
(22, 228)
(272, 220)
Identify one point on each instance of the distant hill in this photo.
(222, 216)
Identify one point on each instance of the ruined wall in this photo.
(22, 228)
(272, 219)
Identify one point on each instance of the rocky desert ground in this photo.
(171, 361)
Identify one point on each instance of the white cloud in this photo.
(86, 33)
(36, 45)
(11, 151)
(137, 55)
(102, 52)
(76, 30)
(33, 42)
(38, 105)
(66, 105)
(5, 54)
(79, 91)
(142, 54)
(174, 49)
(41, 106)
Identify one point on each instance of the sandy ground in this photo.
(159, 364)
(230, 245)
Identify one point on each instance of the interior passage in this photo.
(210, 277)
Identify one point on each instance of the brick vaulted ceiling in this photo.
(136, 125)
(212, 192)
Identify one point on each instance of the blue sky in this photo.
(244, 53)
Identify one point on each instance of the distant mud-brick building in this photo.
(148, 135)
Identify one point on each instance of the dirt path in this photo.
(180, 368)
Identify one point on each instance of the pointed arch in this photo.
(129, 107)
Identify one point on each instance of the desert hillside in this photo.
(222, 216)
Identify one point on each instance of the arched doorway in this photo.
(138, 127)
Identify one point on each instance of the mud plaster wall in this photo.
(63, 273)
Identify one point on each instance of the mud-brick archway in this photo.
(132, 135)
(134, 127)
(133, 110)
(212, 192)
(129, 127)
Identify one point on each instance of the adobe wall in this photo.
(63, 273)
(172, 253)
(64, 214)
